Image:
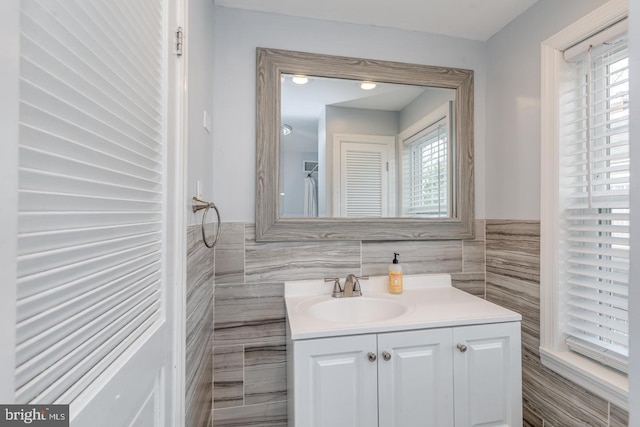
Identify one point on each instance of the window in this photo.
(585, 203)
(594, 190)
(426, 165)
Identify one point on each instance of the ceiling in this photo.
(302, 105)
(310, 100)
(469, 19)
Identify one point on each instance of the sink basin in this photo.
(428, 301)
(355, 309)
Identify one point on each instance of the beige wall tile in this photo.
(618, 417)
(249, 314)
(229, 259)
(199, 330)
(282, 261)
(228, 376)
(415, 257)
(265, 373)
(474, 283)
(262, 415)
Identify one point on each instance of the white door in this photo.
(335, 382)
(364, 167)
(415, 378)
(9, 76)
(98, 170)
(487, 375)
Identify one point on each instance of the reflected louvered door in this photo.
(364, 179)
(91, 219)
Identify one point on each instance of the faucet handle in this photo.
(337, 290)
(357, 292)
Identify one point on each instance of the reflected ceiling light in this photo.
(367, 85)
(286, 130)
(300, 80)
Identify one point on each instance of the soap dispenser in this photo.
(395, 275)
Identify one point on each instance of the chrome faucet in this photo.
(351, 286)
(337, 289)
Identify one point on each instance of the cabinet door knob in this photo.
(386, 355)
(462, 347)
(372, 357)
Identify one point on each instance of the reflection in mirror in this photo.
(354, 149)
(326, 143)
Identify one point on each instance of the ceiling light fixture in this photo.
(286, 130)
(300, 80)
(367, 85)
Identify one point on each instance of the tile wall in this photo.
(513, 281)
(249, 386)
(199, 330)
(249, 338)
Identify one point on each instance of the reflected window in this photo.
(426, 157)
(427, 184)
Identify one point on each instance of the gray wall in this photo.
(513, 204)
(249, 352)
(424, 104)
(513, 107)
(199, 330)
(293, 184)
(199, 54)
(360, 121)
(250, 383)
(238, 33)
(249, 318)
(199, 279)
(513, 281)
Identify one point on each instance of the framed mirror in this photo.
(414, 127)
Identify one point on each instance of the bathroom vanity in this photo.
(432, 356)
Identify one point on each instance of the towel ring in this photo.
(201, 204)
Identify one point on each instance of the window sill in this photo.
(602, 381)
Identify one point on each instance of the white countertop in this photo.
(430, 299)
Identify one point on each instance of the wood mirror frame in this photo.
(270, 227)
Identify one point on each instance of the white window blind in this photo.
(91, 188)
(426, 169)
(594, 195)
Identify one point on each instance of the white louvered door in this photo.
(93, 319)
(363, 184)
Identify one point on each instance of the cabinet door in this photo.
(487, 375)
(335, 382)
(415, 384)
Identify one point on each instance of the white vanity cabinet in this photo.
(455, 376)
(333, 383)
(487, 380)
(433, 356)
(415, 384)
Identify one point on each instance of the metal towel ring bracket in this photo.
(201, 204)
